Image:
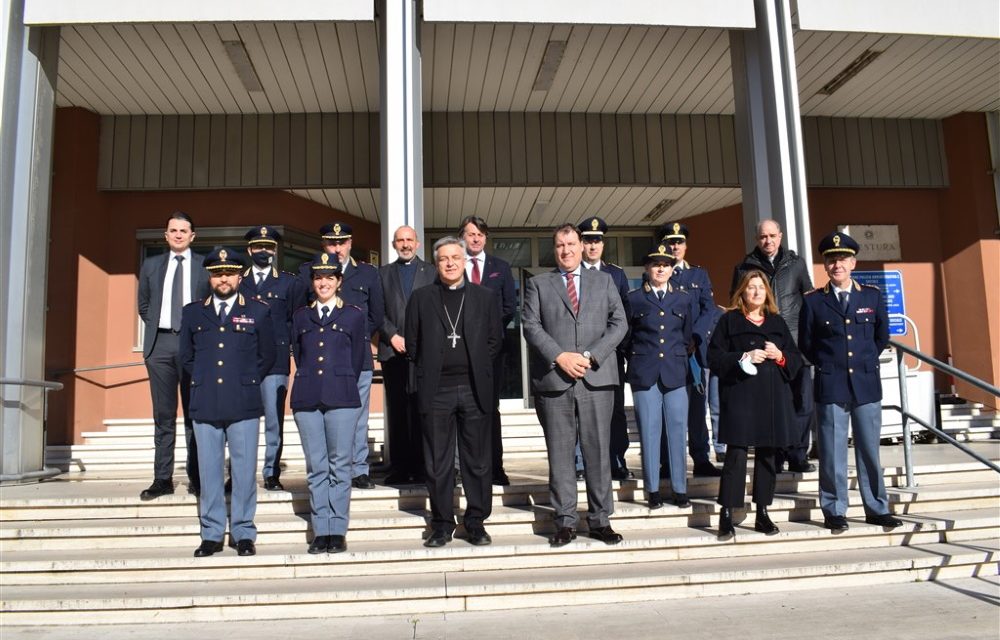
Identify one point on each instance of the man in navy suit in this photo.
(227, 347)
(166, 283)
(283, 293)
(843, 328)
(694, 280)
(592, 231)
(399, 280)
(494, 274)
(361, 287)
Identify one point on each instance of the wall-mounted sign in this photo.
(891, 284)
(879, 242)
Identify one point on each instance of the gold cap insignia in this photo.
(836, 241)
(223, 255)
(263, 232)
(325, 258)
(662, 249)
(594, 224)
(336, 228)
(677, 227)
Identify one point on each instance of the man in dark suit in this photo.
(494, 274)
(573, 321)
(166, 283)
(399, 279)
(592, 231)
(843, 328)
(283, 293)
(361, 287)
(451, 326)
(227, 347)
(694, 280)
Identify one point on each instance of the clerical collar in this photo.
(454, 287)
(406, 262)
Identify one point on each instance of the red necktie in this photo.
(476, 276)
(571, 292)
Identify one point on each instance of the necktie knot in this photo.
(659, 294)
(842, 295)
(326, 313)
(260, 277)
(179, 259)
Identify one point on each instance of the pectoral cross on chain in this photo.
(453, 336)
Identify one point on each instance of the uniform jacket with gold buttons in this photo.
(284, 293)
(661, 332)
(329, 357)
(226, 360)
(844, 347)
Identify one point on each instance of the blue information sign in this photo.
(891, 284)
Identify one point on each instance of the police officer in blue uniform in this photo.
(843, 328)
(330, 344)
(661, 323)
(592, 231)
(695, 280)
(284, 293)
(362, 288)
(227, 346)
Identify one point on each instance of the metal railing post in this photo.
(907, 441)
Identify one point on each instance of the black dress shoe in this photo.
(655, 501)
(836, 524)
(726, 529)
(607, 535)
(580, 475)
(622, 473)
(229, 486)
(194, 489)
(501, 479)
(207, 548)
(720, 456)
(271, 483)
(399, 477)
(763, 522)
(246, 548)
(338, 544)
(478, 537)
(437, 538)
(706, 470)
(886, 520)
(801, 467)
(362, 482)
(681, 501)
(319, 544)
(562, 537)
(157, 489)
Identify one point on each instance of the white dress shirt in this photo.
(168, 285)
(481, 259)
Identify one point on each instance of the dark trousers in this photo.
(455, 416)
(619, 422)
(732, 487)
(165, 376)
(403, 446)
(805, 420)
(496, 436)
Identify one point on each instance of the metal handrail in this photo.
(24, 382)
(61, 372)
(904, 410)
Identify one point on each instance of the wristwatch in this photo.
(586, 354)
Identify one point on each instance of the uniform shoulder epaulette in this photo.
(195, 303)
(261, 301)
(646, 287)
(871, 286)
(288, 273)
(612, 264)
(816, 290)
(247, 272)
(354, 306)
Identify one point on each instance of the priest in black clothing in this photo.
(453, 333)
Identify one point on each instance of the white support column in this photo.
(26, 127)
(402, 179)
(769, 126)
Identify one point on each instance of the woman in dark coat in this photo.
(755, 357)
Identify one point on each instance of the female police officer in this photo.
(660, 319)
(328, 344)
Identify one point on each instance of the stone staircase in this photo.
(83, 549)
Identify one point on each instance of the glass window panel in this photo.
(516, 251)
(546, 254)
(640, 247)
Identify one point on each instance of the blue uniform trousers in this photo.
(273, 391)
(656, 409)
(360, 462)
(328, 443)
(866, 421)
(242, 437)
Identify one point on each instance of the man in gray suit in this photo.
(573, 320)
(404, 445)
(167, 282)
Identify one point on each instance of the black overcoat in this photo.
(754, 410)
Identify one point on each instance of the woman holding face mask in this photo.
(755, 357)
(329, 345)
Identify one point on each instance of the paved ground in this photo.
(954, 609)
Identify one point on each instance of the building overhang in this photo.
(52, 12)
(966, 19)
